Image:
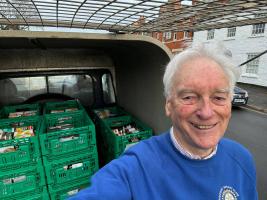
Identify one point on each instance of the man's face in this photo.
(200, 105)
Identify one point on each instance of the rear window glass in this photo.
(75, 86)
(30, 86)
(18, 90)
(108, 90)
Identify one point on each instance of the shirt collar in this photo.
(186, 153)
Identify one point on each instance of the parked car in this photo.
(240, 96)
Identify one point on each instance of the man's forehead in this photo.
(200, 68)
(193, 90)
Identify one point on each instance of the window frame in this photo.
(174, 36)
(210, 34)
(258, 29)
(252, 68)
(186, 34)
(231, 32)
(168, 35)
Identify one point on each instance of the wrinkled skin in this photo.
(199, 105)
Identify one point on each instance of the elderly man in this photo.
(191, 161)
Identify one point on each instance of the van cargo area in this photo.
(71, 103)
(132, 64)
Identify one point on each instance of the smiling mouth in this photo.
(203, 127)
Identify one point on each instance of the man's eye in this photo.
(219, 100)
(189, 99)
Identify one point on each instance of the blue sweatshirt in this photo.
(155, 170)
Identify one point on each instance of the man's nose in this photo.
(205, 110)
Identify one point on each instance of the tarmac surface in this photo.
(257, 97)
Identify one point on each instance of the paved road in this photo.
(250, 128)
(257, 96)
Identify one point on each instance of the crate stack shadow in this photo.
(68, 146)
(117, 130)
(21, 169)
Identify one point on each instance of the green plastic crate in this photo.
(109, 112)
(69, 190)
(22, 181)
(62, 106)
(6, 110)
(63, 173)
(118, 144)
(38, 194)
(26, 153)
(63, 143)
(26, 149)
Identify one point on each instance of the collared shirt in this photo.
(187, 153)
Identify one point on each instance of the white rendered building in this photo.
(244, 43)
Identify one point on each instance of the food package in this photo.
(70, 109)
(22, 114)
(23, 132)
(6, 133)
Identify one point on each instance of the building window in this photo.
(210, 34)
(168, 35)
(175, 36)
(186, 34)
(157, 36)
(231, 32)
(258, 29)
(252, 66)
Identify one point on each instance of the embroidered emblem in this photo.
(228, 193)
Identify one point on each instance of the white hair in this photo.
(218, 54)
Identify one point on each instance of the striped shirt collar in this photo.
(187, 153)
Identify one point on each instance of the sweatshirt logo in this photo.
(228, 193)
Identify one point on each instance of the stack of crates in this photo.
(119, 130)
(22, 110)
(21, 168)
(68, 145)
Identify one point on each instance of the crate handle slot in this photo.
(117, 122)
(73, 192)
(69, 138)
(14, 180)
(8, 149)
(72, 166)
(134, 139)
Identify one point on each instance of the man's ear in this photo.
(168, 107)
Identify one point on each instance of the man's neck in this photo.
(197, 155)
